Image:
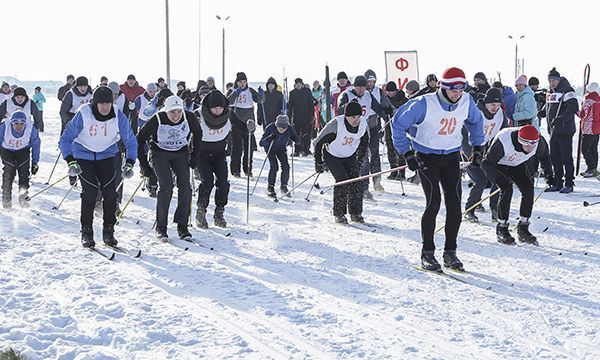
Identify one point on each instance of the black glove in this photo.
(146, 171)
(413, 161)
(319, 167)
(477, 156)
(34, 169)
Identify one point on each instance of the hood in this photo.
(507, 91)
(272, 81)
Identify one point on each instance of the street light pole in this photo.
(223, 60)
(168, 50)
(199, 38)
(516, 53)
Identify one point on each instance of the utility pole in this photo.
(168, 48)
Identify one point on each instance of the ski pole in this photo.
(313, 185)
(586, 204)
(473, 207)
(28, 198)
(292, 156)
(344, 182)
(294, 188)
(54, 167)
(402, 186)
(193, 175)
(262, 167)
(128, 202)
(63, 199)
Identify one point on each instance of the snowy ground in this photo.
(292, 284)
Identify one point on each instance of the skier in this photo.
(20, 101)
(505, 164)
(342, 85)
(342, 145)
(131, 89)
(434, 122)
(242, 100)
(494, 120)
(168, 134)
(590, 128)
(140, 104)
(397, 98)
(19, 140)
(62, 91)
(119, 98)
(215, 127)
(89, 145)
(79, 94)
(275, 140)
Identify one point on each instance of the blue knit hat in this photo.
(18, 116)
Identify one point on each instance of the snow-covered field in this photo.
(292, 284)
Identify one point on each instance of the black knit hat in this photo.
(240, 76)
(353, 108)
(480, 76)
(553, 74)
(431, 77)
(214, 99)
(298, 80)
(342, 75)
(493, 95)
(533, 81)
(391, 86)
(360, 80)
(370, 75)
(20, 92)
(102, 94)
(82, 81)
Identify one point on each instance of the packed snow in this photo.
(292, 284)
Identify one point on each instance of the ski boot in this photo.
(87, 237)
(428, 261)
(524, 234)
(218, 217)
(108, 235)
(503, 235)
(471, 217)
(566, 190)
(377, 184)
(271, 191)
(161, 233)
(357, 218)
(184, 233)
(341, 219)
(201, 219)
(284, 190)
(553, 188)
(451, 261)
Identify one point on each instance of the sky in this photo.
(50, 39)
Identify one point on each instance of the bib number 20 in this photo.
(448, 126)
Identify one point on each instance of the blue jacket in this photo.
(39, 99)
(510, 100)
(413, 113)
(280, 141)
(34, 140)
(69, 147)
(526, 107)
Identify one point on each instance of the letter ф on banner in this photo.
(401, 67)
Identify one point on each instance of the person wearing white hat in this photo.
(590, 128)
(168, 134)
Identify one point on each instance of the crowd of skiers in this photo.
(438, 131)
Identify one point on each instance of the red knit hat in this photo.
(453, 79)
(528, 134)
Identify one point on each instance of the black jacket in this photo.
(273, 105)
(301, 106)
(561, 113)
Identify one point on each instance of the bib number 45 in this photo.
(448, 126)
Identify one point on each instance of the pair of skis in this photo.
(135, 254)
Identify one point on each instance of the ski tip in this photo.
(139, 254)
(111, 256)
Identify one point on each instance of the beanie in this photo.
(353, 108)
(342, 75)
(151, 87)
(18, 116)
(114, 87)
(431, 77)
(81, 81)
(370, 75)
(103, 78)
(240, 76)
(391, 86)
(453, 79)
(493, 95)
(20, 92)
(497, 84)
(533, 81)
(521, 80)
(553, 74)
(210, 78)
(102, 94)
(215, 99)
(360, 81)
(298, 80)
(70, 77)
(282, 121)
(480, 76)
(412, 86)
(593, 87)
(173, 102)
(181, 83)
(528, 134)
(131, 77)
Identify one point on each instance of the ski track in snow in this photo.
(313, 290)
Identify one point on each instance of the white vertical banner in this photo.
(402, 67)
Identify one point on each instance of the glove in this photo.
(251, 125)
(550, 179)
(319, 167)
(238, 91)
(131, 106)
(477, 156)
(127, 171)
(34, 169)
(413, 161)
(146, 171)
(261, 92)
(74, 168)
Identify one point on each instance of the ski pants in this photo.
(394, 158)
(504, 177)
(165, 163)
(480, 183)
(98, 175)
(346, 198)
(371, 162)
(15, 162)
(276, 158)
(590, 151)
(561, 153)
(240, 149)
(441, 170)
(212, 165)
(303, 129)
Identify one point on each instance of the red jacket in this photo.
(590, 114)
(131, 92)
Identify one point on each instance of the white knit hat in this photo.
(593, 87)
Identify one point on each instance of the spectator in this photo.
(39, 99)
